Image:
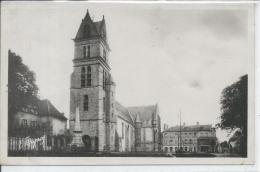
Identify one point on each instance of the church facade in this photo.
(106, 125)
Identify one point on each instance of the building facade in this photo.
(38, 127)
(195, 138)
(106, 124)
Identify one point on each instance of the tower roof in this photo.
(90, 29)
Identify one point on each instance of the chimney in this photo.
(183, 124)
(197, 123)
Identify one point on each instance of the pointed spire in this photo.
(137, 118)
(87, 16)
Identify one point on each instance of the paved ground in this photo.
(115, 154)
(226, 155)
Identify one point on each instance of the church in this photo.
(99, 122)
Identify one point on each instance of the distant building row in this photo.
(193, 138)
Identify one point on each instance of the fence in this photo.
(28, 143)
(37, 139)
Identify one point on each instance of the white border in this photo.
(134, 160)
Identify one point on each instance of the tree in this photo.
(22, 89)
(234, 110)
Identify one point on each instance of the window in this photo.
(89, 76)
(104, 104)
(49, 140)
(82, 77)
(85, 103)
(105, 54)
(84, 52)
(122, 130)
(104, 82)
(24, 122)
(88, 51)
(33, 124)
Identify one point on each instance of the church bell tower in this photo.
(92, 84)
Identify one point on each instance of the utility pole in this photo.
(180, 133)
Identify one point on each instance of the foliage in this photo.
(234, 109)
(22, 89)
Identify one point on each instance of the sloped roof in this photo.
(98, 25)
(190, 128)
(123, 112)
(46, 108)
(88, 28)
(145, 112)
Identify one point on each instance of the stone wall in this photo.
(125, 135)
(93, 121)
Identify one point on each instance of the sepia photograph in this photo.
(127, 83)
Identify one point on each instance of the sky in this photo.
(179, 56)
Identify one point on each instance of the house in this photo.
(42, 124)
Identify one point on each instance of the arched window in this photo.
(89, 76)
(166, 149)
(85, 103)
(104, 104)
(84, 51)
(171, 149)
(103, 79)
(88, 51)
(82, 77)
